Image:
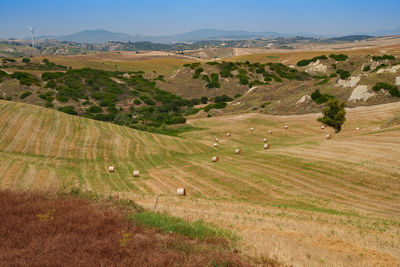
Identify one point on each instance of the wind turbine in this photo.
(32, 34)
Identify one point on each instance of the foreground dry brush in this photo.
(47, 230)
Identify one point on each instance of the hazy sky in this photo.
(156, 17)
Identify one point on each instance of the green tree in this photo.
(334, 114)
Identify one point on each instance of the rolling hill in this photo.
(337, 201)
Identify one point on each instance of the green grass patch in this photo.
(167, 224)
(175, 131)
(310, 207)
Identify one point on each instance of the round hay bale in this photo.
(136, 173)
(215, 159)
(357, 128)
(181, 192)
(322, 127)
(238, 151)
(266, 146)
(286, 126)
(111, 169)
(328, 136)
(270, 131)
(251, 129)
(215, 144)
(228, 134)
(265, 140)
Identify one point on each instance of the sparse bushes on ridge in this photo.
(25, 78)
(51, 84)
(227, 68)
(288, 73)
(192, 65)
(218, 105)
(344, 74)
(205, 78)
(320, 98)
(8, 60)
(197, 73)
(68, 110)
(339, 57)
(147, 100)
(195, 101)
(49, 105)
(212, 63)
(94, 109)
(392, 89)
(306, 62)
(214, 81)
(384, 57)
(162, 107)
(3, 74)
(25, 95)
(380, 66)
(222, 98)
(49, 96)
(255, 82)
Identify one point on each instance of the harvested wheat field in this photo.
(306, 201)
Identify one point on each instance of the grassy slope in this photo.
(331, 198)
(43, 147)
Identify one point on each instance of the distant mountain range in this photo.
(101, 36)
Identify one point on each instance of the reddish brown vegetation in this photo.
(57, 231)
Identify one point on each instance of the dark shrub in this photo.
(25, 95)
(222, 98)
(339, 57)
(320, 98)
(306, 62)
(392, 89)
(94, 109)
(384, 57)
(344, 74)
(219, 105)
(68, 110)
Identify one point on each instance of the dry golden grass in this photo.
(288, 57)
(162, 63)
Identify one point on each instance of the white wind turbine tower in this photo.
(32, 34)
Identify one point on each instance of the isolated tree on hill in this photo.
(334, 114)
